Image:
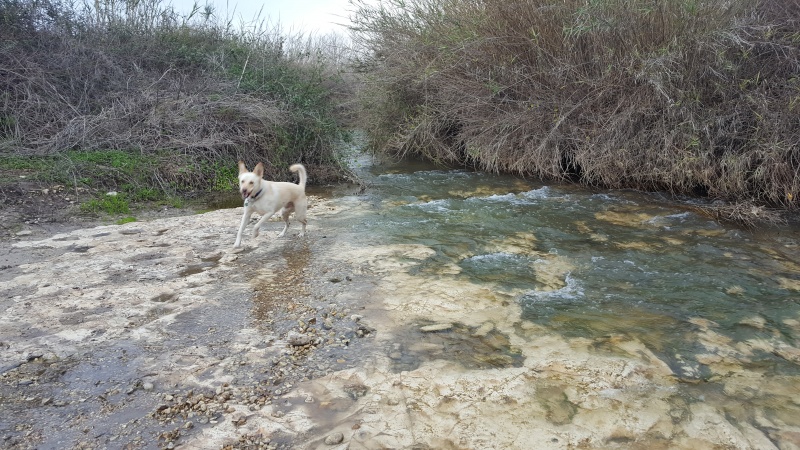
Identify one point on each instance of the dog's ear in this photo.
(259, 170)
(242, 167)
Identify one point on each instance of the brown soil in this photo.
(35, 210)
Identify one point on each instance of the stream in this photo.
(487, 270)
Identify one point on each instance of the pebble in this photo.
(334, 439)
(297, 339)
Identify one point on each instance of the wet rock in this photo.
(484, 329)
(436, 327)
(757, 322)
(356, 390)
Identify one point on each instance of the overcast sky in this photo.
(308, 16)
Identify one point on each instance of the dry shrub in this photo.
(135, 76)
(699, 97)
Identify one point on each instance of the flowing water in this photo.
(639, 264)
(718, 306)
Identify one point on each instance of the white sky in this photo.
(307, 16)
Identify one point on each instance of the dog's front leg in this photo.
(245, 219)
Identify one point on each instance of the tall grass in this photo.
(191, 92)
(689, 96)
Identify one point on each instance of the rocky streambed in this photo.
(159, 334)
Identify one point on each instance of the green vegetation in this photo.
(125, 220)
(110, 204)
(132, 97)
(694, 97)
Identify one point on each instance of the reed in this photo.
(694, 97)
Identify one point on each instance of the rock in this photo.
(356, 390)
(298, 340)
(239, 418)
(334, 439)
(484, 329)
(436, 327)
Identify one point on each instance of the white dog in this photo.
(268, 197)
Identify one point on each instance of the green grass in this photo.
(138, 180)
(125, 220)
(33, 168)
(109, 204)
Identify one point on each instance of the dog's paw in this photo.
(255, 233)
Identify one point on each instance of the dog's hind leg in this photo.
(285, 212)
(300, 215)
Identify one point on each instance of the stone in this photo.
(436, 327)
(298, 340)
(334, 439)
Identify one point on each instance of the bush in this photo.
(693, 97)
(168, 97)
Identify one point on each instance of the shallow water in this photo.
(710, 300)
(638, 264)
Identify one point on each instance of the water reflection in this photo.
(282, 283)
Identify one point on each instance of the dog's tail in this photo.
(300, 170)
